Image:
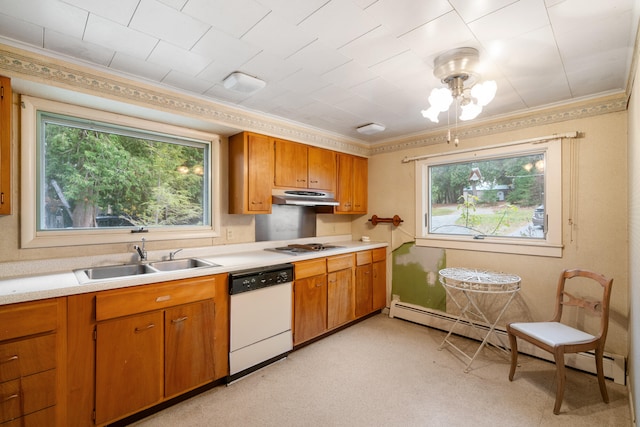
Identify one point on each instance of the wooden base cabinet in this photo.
(32, 368)
(379, 271)
(341, 298)
(309, 300)
(132, 348)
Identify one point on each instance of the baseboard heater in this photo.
(613, 364)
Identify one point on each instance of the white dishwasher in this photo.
(259, 318)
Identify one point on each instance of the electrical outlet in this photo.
(229, 234)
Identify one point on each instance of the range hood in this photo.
(303, 198)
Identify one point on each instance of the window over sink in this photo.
(94, 177)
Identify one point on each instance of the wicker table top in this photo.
(479, 280)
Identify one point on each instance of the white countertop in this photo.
(55, 278)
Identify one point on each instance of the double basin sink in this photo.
(126, 270)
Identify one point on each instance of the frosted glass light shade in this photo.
(244, 83)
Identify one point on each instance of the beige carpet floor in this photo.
(389, 372)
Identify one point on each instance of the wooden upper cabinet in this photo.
(302, 166)
(290, 164)
(352, 184)
(5, 145)
(322, 169)
(251, 159)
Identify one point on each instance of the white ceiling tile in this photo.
(233, 17)
(186, 82)
(119, 11)
(375, 90)
(138, 67)
(77, 48)
(23, 31)
(164, 22)
(339, 22)
(284, 42)
(303, 82)
(176, 4)
(54, 14)
(227, 53)
(472, 10)
(269, 67)
(397, 68)
(293, 11)
(104, 32)
(427, 40)
(402, 16)
(511, 21)
(331, 94)
(179, 59)
(318, 58)
(348, 75)
(373, 47)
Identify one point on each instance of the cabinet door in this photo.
(379, 284)
(5, 146)
(310, 308)
(364, 290)
(344, 191)
(322, 169)
(260, 168)
(360, 185)
(340, 297)
(129, 365)
(290, 164)
(189, 350)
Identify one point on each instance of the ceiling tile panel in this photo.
(77, 48)
(348, 75)
(186, 82)
(233, 17)
(472, 10)
(339, 22)
(176, 4)
(402, 16)
(104, 32)
(23, 31)
(120, 11)
(426, 40)
(164, 22)
(283, 42)
(137, 67)
(53, 14)
(227, 53)
(303, 82)
(318, 58)
(386, 46)
(511, 21)
(293, 12)
(269, 67)
(179, 59)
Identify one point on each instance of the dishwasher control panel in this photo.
(257, 278)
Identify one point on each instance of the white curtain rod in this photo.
(523, 141)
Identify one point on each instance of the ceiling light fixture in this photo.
(370, 129)
(456, 68)
(241, 82)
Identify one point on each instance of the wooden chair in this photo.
(559, 339)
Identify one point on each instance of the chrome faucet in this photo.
(172, 255)
(141, 251)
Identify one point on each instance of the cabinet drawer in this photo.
(379, 254)
(29, 394)
(27, 356)
(123, 302)
(44, 417)
(19, 320)
(313, 267)
(363, 258)
(339, 262)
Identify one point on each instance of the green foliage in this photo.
(99, 172)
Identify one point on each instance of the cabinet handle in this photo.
(163, 298)
(10, 359)
(179, 319)
(13, 396)
(149, 326)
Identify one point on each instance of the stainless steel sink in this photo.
(125, 270)
(111, 271)
(181, 264)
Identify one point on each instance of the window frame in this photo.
(31, 237)
(550, 245)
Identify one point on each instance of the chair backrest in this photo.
(598, 307)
